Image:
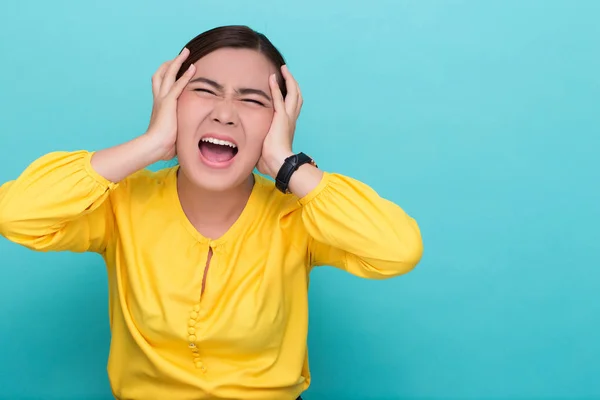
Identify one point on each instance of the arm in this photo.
(353, 228)
(349, 224)
(62, 202)
(58, 203)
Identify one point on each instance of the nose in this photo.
(224, 113)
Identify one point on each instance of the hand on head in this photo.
(278, 143)
(166, 90)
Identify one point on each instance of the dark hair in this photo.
(238, 37)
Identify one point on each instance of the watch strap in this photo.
(290, 165)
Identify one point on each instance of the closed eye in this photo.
(254, 101)
(205, 91)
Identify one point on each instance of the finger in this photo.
(300, 102)
(158, 77)
(291, 99)
(182, 81)
(171, 72)
(278, 102)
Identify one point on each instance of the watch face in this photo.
(312, 161)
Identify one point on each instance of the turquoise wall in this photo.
(480, 118)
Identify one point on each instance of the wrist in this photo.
(118, 162)
(297, 174)
(154, 147)
(275, 162)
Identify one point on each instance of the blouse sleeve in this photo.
(58, 203)
(351, 227)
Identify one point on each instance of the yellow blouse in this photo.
(246, 335)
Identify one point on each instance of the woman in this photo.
(207, 261)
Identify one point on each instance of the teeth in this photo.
(218, 141)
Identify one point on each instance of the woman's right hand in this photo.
(162, 129)
(158, 143)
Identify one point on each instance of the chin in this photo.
(213, 179)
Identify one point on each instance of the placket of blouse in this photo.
(193, 321)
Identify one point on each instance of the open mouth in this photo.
(217, 151)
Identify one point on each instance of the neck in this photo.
(212, 213)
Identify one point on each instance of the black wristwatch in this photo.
(291, 165)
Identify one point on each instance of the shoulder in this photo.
(275, 201)
(146, 183)
(272, 195)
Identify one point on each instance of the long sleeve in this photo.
(351, 227)
(58, 203)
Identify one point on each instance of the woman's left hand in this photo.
(277, 145)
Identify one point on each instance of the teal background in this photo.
(480, 118)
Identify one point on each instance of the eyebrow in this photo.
(241, 91)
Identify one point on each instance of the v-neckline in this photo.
(233, 230)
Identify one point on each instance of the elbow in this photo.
(408, 252)
(5, 221)
(8, 224)
(412, 256)
(6, 214)
(414, 251)
(407, 259)
(15, 217)
(15, 231)
(12, 223)
(413, 248)
(401, 260)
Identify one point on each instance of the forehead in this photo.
(236, 66)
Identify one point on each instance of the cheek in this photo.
(190, 111)
(257, 123)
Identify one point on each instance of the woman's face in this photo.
(223, 116)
